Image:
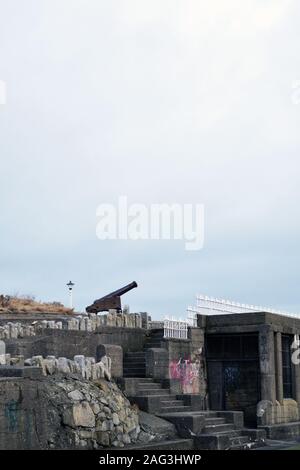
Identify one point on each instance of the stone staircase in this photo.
(146, 388)
(215, 430)
(134, 364)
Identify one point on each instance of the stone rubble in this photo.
(98, 414)
(88, 323)
(87, 367)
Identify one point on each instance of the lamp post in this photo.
(70, 286)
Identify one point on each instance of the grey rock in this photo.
(76, 395)
(116, 419)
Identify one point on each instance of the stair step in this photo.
(149, 386)
(175, 409)
(172, 403)
(239, 440)
(176, 444)
(134, 364)
(133, 376)
(233, 433)
(139, 372)
(160, 392)
(217, 428)
(145, 380)
(134, 354)
(214, 421)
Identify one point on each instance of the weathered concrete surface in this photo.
(157, 427)
(287, 431)
(115, 353)
(267, 363)
(67, 343)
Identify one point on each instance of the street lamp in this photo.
(70, 286)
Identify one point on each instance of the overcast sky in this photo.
(163, 101)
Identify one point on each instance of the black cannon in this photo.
(110, 301)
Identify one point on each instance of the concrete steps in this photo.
(160, 392)
(217, 428)
(134, 364)
(214, 421)
(175, 409)
(176, 444)
(211, 430)
(238, 442)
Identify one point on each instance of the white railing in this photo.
(212, 306)
(191, 317)
(175, 328)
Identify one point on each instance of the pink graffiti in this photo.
(187, 372)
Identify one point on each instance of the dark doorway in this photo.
(233, 374)
(241, 390)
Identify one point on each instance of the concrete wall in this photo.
(181, 364)
(65, 343)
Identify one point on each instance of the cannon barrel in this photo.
(121, 291)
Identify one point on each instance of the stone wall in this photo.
(65, 412)
(68, 343)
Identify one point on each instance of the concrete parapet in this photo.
(115, 353)
(157, 363)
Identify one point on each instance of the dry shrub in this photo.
(28, 304)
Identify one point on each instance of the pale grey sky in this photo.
(165, 101)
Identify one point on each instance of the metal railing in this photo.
(212, 306)
(174, 328)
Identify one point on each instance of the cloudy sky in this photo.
(164, 101)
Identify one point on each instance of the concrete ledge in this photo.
(235, 417)
(129, 385)
(196, 402)
(211, 442)
(255, 435)
(187, 423)
(176, 444)
(150, 404)
(157, 363)
(284, 431)
(173, 384)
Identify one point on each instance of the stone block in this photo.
(211, 442)
(115, 353)
(187, 424)
(157, 364)
(234, 417)
(81, 414)
(196, 402)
